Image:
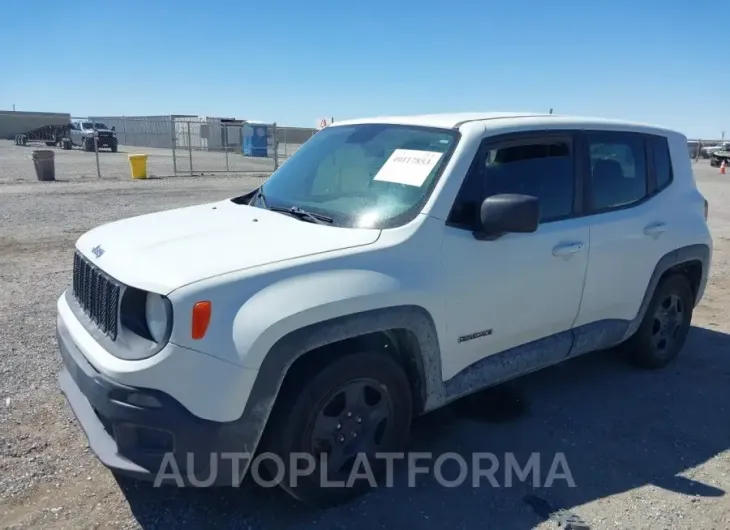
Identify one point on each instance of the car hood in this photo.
(162, 251)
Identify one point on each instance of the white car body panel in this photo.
(184, 374)
(149, 251)
(531, 295)
(623, 254)
(402, 268)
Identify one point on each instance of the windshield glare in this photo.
(365, 176)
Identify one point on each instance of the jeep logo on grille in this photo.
(97, 251)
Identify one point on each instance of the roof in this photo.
(499, 119)
(439, 120)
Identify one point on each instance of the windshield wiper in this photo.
(294, 210)
(303, 214)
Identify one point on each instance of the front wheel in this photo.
(338, 420)
(663, 331)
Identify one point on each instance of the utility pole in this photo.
(13, 107)
(551, 111)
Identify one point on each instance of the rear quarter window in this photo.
(662, 162)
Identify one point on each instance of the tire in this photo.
(664, 330)
(50, 144)
(114, 147)
(327, 412)
(88, 144)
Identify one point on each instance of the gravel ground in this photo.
(646, 450)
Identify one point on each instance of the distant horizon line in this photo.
(279, 124)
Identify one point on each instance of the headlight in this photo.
(156, 315)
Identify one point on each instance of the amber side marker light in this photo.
(201, 319)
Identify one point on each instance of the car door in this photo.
(629, 228)
(75, 134)
(520, 287)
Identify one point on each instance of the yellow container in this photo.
(138, 165)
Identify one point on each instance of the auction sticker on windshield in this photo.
(408, 166)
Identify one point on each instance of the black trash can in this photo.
(44, 165)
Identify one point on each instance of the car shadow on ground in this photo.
(618, 427)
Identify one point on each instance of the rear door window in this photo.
(618, 170)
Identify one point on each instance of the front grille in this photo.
(105, 134)
(97, 294)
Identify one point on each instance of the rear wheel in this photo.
(663, 331)
(337, 420)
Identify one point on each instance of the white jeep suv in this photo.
(389, 267)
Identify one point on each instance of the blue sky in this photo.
(292, 61)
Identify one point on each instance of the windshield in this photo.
(89, 125)
(366, 176)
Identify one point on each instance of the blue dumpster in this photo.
(255, 137)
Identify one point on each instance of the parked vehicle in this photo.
(82, 135)
(708, 151)
(717, 157)
(390, 267)
(50, 135)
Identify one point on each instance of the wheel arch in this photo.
(408, 330)
(693, 261)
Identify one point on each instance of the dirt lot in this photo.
(646, 450)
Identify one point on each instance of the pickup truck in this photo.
(82, 133)
(390, 267)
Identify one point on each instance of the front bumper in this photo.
(147, 434)
(107, 141)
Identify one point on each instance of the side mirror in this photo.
(508, 213)
(114, 128)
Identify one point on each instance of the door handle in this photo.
(568, 248)
(655, 229)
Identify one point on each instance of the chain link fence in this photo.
(186, 145)
(208, 146)
(177, 145)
